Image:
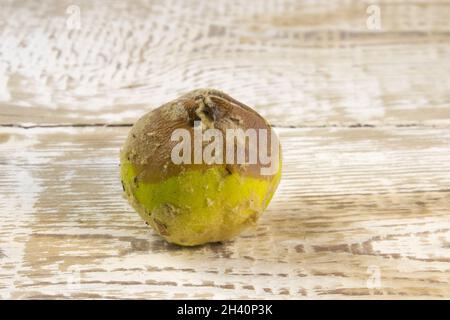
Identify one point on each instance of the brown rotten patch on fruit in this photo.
(149, 143)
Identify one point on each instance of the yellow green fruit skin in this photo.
(199, 206)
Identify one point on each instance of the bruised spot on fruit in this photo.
(162, 228)
(252, 218)
(229, 169)
(167, 210)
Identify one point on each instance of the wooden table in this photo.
(363, 209)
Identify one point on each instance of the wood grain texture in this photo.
(297, 62)
(353, 204)
(364, 117)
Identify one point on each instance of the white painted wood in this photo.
(296, 62)
(361, 212)
(354, 203)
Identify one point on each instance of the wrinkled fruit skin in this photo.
(193, 204)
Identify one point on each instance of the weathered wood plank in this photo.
(360, 212)
(296, 62)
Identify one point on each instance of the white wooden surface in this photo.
(297, 62)
(364, 118)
